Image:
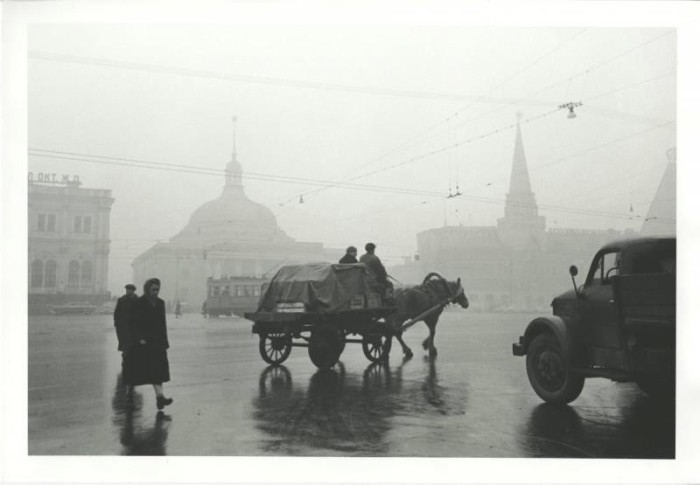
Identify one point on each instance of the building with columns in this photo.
(68, 242)
(229, 235)
(519, 264)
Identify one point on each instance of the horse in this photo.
(411, 301)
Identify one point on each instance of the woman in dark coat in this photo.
(149, 362)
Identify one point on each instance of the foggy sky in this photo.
(342, 127)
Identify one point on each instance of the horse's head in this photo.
(449, 289)
(460, 298)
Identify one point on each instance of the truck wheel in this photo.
(549, 372)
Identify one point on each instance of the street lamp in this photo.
(570, 106)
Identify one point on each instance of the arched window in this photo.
(37, 279)
(86, 274)
(73, 273)
(50, 274)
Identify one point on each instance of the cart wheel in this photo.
(325, 347)
(376, 346)
(275, 347)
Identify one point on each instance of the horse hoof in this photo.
(407, 355)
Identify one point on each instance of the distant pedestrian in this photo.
(123, 315)
(178, 309)
(350, 256)
(150, 357)
(204, 309)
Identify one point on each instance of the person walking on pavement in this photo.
(350, 256)
(178, 309)
(123, 314)
(150, 363)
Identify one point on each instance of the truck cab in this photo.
(619, 324)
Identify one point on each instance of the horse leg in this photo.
(432, 323)
(407, 352)
(398, 333)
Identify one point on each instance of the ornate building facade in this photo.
(68, 242)
(228, 236)
(519, 264)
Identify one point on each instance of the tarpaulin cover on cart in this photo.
(319, 286)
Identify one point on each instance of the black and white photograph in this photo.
(253, 232)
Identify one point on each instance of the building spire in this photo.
(521, 222)
(519, 175)
(233, 168)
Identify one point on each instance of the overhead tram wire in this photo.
(578, 154)
(498, 130)
(134, 163)
(199, 73)
(554, 162)
(210, 74)
(568, 79)
(425, 132)
(581, 73)
(438, 195)
(440, 150)
(137, 163)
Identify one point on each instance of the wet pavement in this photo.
(474, 400)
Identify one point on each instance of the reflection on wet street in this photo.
(346, 413)
(642, 430)
(136, 435)
(472, 401)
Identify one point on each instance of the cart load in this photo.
(320, 287)
(322, 306)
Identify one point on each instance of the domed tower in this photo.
(232, 217)
(229, 236)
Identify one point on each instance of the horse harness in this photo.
(451, 297)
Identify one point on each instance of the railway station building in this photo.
(68, 242)
(229, 236)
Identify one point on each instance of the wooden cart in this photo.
(324, 334)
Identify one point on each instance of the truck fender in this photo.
(557, 326)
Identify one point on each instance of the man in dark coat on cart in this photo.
(123, 314)
(375, 265)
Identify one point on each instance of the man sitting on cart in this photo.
(372, 261)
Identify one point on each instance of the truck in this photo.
(620, 324)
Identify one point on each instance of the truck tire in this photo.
(549, 372)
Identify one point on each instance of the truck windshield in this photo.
(605, 266)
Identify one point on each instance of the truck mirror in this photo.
(573, 270)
